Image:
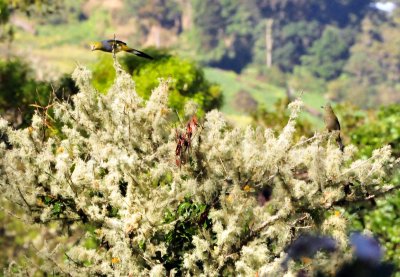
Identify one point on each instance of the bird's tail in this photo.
(340, 143)
(138, 53)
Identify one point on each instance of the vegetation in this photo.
(18, 90)
(229, 200)
(366, 132)
(190, 82)
(257, 54)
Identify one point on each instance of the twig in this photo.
(179, 118)
(272, 219)
(72, 260)
(23, 198)
(113, 48)
(352, 168)
(17, 217)
(309, 139)
(347, 201)
(223, 166)
(53, 261)
(251, 235)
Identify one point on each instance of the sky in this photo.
(385, 6)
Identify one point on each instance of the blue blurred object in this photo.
(367, 259)
(366, 248)
(308, 246)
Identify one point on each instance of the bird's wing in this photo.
(337, 122)
(117, 41)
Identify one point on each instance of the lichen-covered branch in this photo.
(113, 170)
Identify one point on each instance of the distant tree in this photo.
(374, 62)
(327, 56)
(152, 16)
(36, 6)
(337, 12)
(4, 12)
(224, 32)
(29, 7)
(293, 42)
(166, 13)
(298, 23)
(6, 31)
(209, 25)
(64, 13)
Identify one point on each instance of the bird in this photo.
(115, 46)
(332, 124)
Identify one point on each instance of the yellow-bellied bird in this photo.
(118, 46)
(332, 124)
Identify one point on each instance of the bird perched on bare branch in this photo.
(115, 46)
(332, 124)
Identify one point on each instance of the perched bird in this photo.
(332, 123)
(111, 45)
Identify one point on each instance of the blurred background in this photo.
(248, 58)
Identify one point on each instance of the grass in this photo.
(265, 94)
(231, 83)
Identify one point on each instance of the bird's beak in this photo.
(92, 47)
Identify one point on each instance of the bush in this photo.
(303, 80)
(277, 119)
(231, 206)
(189, 82)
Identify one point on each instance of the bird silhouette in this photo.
(115, 46)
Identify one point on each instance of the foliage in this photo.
(21, 94)
(189, 84)
(294, 41)
(371, 71)
(65, 12)
(224, 32)
(163, 12)
(4, 12)
(384, 222)
(296, 26)
(303, 80)
(380, 129)
(277, 119)
(36, 6)
(189, 219)
(6, 31)
(113, 168)
(327, 56)
(18, 90)
(368, 130)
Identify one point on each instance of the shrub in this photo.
(213, 214)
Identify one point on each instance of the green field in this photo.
(265, 94)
